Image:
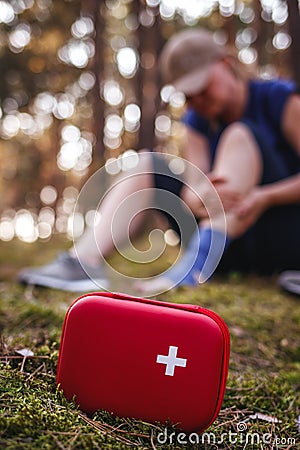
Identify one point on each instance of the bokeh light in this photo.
(171, 238)
(248, 55)
(7, 232)
(84, 26)
(7, 13)
(48, 195)
(132, 116)
(25, 226)
(64, 106)
(129, 160)
(166, 92)
(127, 62)
(282, 40)
(75, 225)
(113, 126)
(162, 125)
(113, 166)
(10, 126)
(47, 113)
(113, 94)
(77, 52)
(87, 81)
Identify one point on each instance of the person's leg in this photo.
(80, 268)
(121, 214)
(130, 193)
(277, 240)
(238, 162)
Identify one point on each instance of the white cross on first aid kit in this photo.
(171, 361)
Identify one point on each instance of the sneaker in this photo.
(290, 281)
(65, 273)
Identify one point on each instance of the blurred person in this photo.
(244, 134)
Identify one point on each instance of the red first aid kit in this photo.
(146, 359)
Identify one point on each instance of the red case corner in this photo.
(146, 359)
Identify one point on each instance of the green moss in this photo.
(264, 374)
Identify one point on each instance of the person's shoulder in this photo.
(272, 86)
(271, 96)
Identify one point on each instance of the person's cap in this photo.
(187, 58)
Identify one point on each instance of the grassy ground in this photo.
(262, 399)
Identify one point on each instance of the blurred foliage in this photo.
(80, 85)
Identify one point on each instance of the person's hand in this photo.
(253, 206)
(229, 197)
(203, 200)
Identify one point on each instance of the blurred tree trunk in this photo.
(262, 35)
(148, 82)
(294, 28)
(93, 9)
(231, 26)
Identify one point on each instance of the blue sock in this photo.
(202, 256)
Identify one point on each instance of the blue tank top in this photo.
(263, 112)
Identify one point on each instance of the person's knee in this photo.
(238, 158)
(239, 132)
(239, 140)
(137, 173)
